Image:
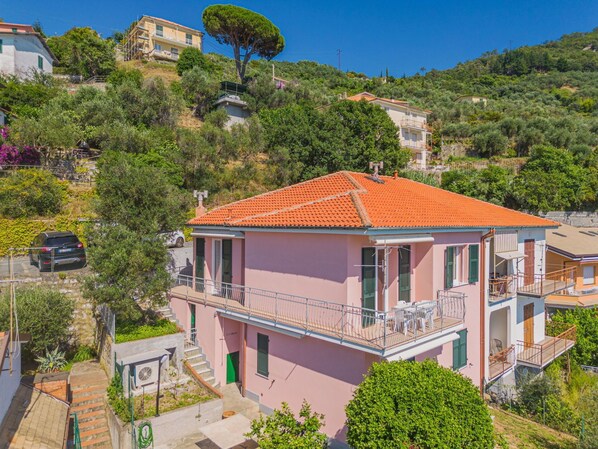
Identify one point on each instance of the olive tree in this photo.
(244, 30)
(413, 404)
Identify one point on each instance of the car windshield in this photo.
(59, 241)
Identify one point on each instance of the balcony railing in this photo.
(546, 284)
(347, 324)
(541, 354)
(414, 124)
(501, 288)
(501, 362)
(173, 40)
(164, 54)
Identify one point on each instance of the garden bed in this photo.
(133, 331)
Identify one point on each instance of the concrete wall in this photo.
(19, 55)
(167, 427)
(9, 383)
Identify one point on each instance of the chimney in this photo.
(200, 209)
(395, 175)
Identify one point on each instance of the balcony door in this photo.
(528, 325)
(405, 273)
(222, 265)
(529, 248)
(368, 285)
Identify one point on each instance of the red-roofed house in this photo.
(410, 120)
(23, 51)
(296, 292)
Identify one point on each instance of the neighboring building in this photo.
(411, 122)
(235, 108)
(474, 99)
(574, 248)
(296, 292)
(10, 370)
(154, 38)
(23, 51)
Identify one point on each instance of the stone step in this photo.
(98, 442)
(86, 399)
(211, 380)
(86, 408)
(88, 416)
(196, 359)
(193, 353)
(201, 367)
(93, 424)
(93, 433)
(87, 391)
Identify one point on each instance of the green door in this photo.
(405, 273)
(200, 261)
(193, 325)
(368, 285)
(232, 367)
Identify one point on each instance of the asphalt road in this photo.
(181, 261)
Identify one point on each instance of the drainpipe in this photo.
(244, 368)
(483, 308)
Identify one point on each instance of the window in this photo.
(589, 274)
(453, 266)
(188, 39)
(474, 264)
(0, 45)
(174, 51)
(263, 341)
(14, 30)
(40, 63)
(159, 30)
(158, 47)
(460, 350)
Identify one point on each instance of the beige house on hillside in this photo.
(155, 38)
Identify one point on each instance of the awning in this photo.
(222, 234)
(401, 239)
(510, 255)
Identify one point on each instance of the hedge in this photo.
(20, 232)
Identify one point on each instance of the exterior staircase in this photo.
(88, 400)
(194, 355)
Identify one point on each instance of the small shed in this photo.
(235, 108)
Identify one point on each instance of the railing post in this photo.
(306, 313)
(248, 298)
(384, 324)
(276, 307)
(343, 319)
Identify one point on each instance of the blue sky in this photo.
(401, 35)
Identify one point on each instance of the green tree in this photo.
(589, 410)
(192, 57)
(585, 351)
(413, 404)
(244, 30)
(283, 430)
(81, 51)
(199, 90)
(44, 313)
(31, 193)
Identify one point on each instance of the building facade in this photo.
(155, 38)
(575, 248)
(23, 51)
(296, 292)
(411, 122)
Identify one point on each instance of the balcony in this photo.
(414, 124)
(171, 40)
(164, 54)
(538, 355)
(383, 333)
(502, 288)
(546, 284)
(501, 362)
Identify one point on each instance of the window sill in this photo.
(263, 376)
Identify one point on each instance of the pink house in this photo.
(298, 291)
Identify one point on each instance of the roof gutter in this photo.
(483, 307)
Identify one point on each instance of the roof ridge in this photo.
(361, 210)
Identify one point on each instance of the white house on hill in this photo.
(23, 51)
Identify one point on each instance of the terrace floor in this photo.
(543, 288)
(541, 354)
(498, 368)
(374, 336)
(572, 301)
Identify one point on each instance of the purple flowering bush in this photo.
(13, 155)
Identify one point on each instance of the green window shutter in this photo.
(263, 342)
(200, 257)
(449, 268)
(227, 261)
(40, 63)
(474, 263)
(460, 350)
(0, 45)
(368, 285)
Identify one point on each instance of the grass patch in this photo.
(82, 354)
(171, 399)
(520, 433)
(131, 331)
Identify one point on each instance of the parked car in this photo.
(173, 239)
(56, 249)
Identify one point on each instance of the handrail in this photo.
(380, 329)
(546, 283)
(505, 359)
(501, 288)
(76, 432)
(540, 354)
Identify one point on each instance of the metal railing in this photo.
(548, 283)
(414, 124)
(501, 361)
(379, 329)
(76, 432)
(501, 288)
(541, 354)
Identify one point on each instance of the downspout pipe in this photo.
(483, 308)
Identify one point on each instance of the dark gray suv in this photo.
(54, 249)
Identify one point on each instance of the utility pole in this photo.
(338, 53)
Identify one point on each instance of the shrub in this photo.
(31, 192)
(413, 404)
(134, 330)
(116, 398)
(44, 314)
(13, 155)
(589, 408)
(585, 351)
(283, 430)
(53, 361)
(192, 57)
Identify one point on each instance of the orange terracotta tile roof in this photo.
(354, 200)
(366, 96)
